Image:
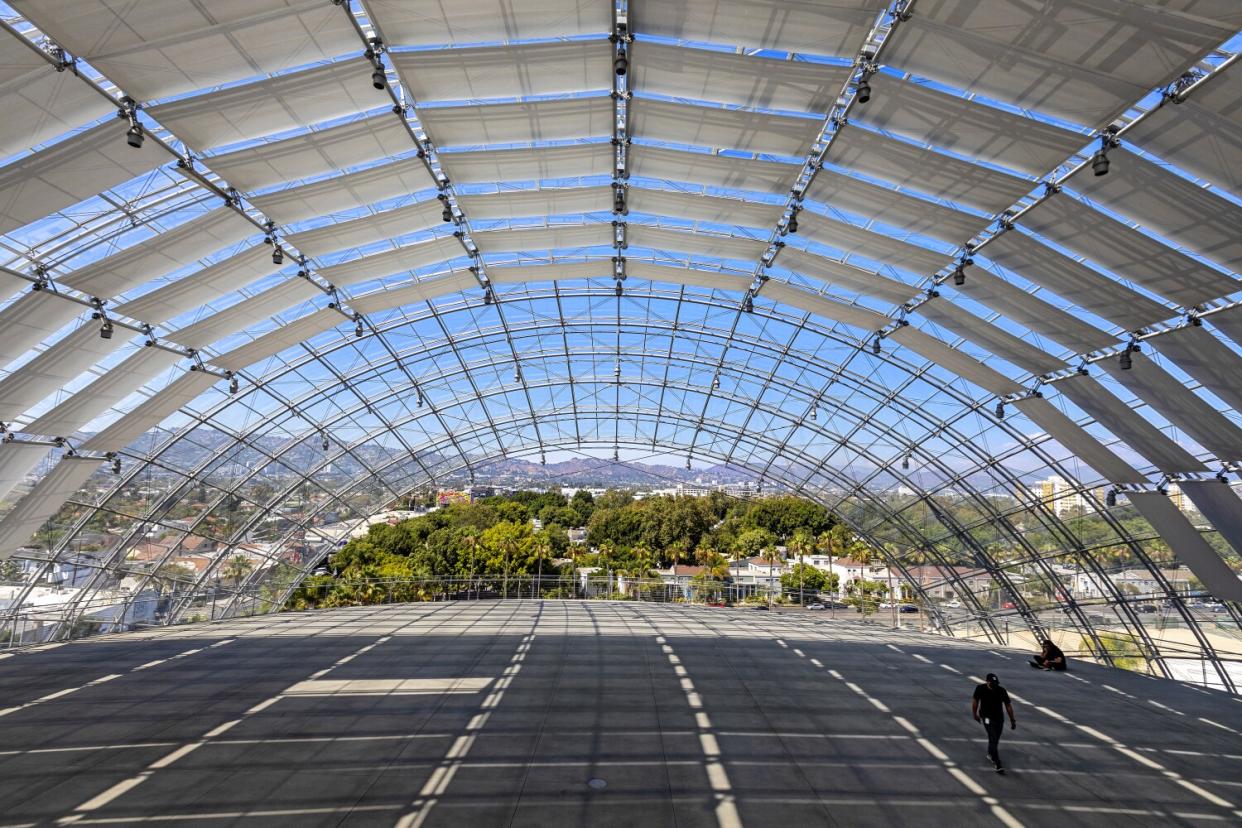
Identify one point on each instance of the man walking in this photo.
(989, 705)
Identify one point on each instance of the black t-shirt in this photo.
(1054, 652)
(991, 702)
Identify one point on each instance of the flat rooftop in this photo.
(541, 713)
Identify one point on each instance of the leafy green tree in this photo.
(507, 545)
(803, 579)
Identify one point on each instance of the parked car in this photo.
(1009, 605)
(816, 606)
(1146, 608)
(954, 604)
(908, 608)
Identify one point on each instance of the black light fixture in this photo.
(487, 296)
(358, 329)
(1110, 498)
(446, 213)
(1099, 161)
(1000, 409)
(1124, 360)
(378, 79)
(233, 384)
(323, 441)
(116, 465)
(716, 381)
(905, 463)
(105, 330)
(278, 255)
(864, 90)
(875, 346)
(621, 64)
(134, 136)
(618, 290)
(418, 398)
(618, 199)
(792, 227)
(748, 304)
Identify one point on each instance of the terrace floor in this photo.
(547, 713)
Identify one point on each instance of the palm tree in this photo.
(800, 544)
(236, 569)
(542, 549)
(772, 553)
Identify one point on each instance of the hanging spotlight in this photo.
(105, 330)
(446, 213)
(1124, 360)
(517, 373)
(134, 135)
(1000, 409)
(621, 64)
(618, 290)
(864, 90)
(116, 465)
(1110, 498)
(323, 442)
(233, 385)
(905, 463)
(487, 296)
(792, 227)
(1099, 162)
(716, 382)
(616, 456)
(875, 346)
(278, 255)
(959, 275)
(358, 329)
(814, 413)
(418, 399)
(618, 199)
(687, 462)
(378, 79)
(748, 304)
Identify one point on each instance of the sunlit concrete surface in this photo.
(534, 713)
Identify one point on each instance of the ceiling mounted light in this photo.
(278, 255)
(905, 463)
(233, 384)
(814, 413)
(875, 346)
(378, 79)
(105, 330)
(323, 441)
(1124, 360)
(358, 329)
(959, 275)
(716, 381)
(1000, 409)
(116, 465)
(618, 290)
(621, 64)
(748, 304)
(792, 227)
(1110, 498)
(517, 373)
(134, 135)
(1099, 161)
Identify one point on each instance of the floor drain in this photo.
(597, 784)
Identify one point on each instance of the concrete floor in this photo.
(531, 713)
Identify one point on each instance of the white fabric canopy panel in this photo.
(1218, 503)
(43, 501)
(1181, 406)
(688, 276)
(708, 208)
(32, 318)
(955, 361)
(161, 254)
(345, 192)
(1084, 63)
(1032, 312)
(717, 128)
(523, 274)
(54, 368)
(552, 237)
(515, 123)
(285, 102)
(962, 126)
(110, 389)
(73, 170)
(545, 201)
(38, 102)
(1128, 253)
(531, 164)
(836, 28)
(783, 293)
(1168, 204)
(697, 243)
(731, 78)
(853, 279)
(875, 246)
(1188, 545)
(1203, 134)
(1079, 442)
(16, 461)
(151, 412)
(390, 262)
(1128, 425)
(911, 214)
(425, 290)
(989, 337)
(433, 22)
(238, 317)
(518, 71)
(313, 153)
(166, 47)
(1207, 359)
(359, 232)
(712, 170)
(927, 171)
(286, 336)
(1074, 281)
(215, 280)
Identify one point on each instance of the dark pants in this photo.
(1040, 661)
(995, 728)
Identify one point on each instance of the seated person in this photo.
(1051, 658)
